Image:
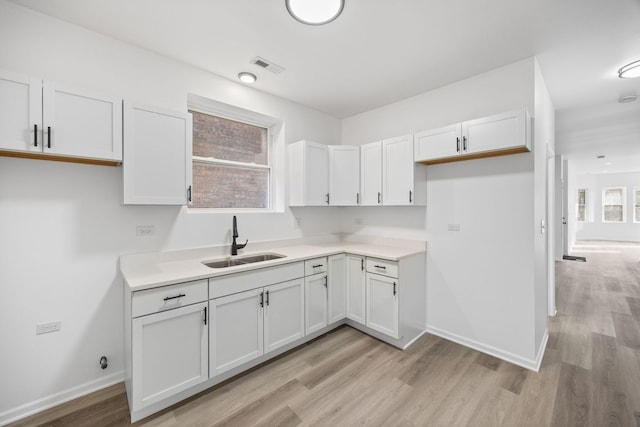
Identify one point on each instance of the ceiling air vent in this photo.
(267, 65)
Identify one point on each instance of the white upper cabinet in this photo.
(48, 120)
(344, 175)
(308, 174)
(157, 156)
(403, 183)
(505, 133)
(438, 143)
(81, 123)
(20, 112)
(371, 174)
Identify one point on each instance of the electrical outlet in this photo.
(145, 230)
(358, 221)
(296, 222)
(45, 328)
(453, 227)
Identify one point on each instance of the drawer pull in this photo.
(175, 297)
(394, 288)
(261, 299)
(267, 297)
(380, 266)
(35, 135)
(205, 315)
(318, 265)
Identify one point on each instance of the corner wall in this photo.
(481, 288)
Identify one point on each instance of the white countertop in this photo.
(149, 270)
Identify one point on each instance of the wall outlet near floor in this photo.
(145, 230)
(45, 328)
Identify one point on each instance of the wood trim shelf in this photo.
(54, 158)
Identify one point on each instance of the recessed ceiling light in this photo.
(627, 98)
(247, 77)
(315, 12)
(630, 70)
(607, 163)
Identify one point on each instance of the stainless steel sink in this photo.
(249, 259)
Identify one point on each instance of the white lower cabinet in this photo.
(355, 283)
(246, 325)
(169, 351)
(382, 304)
(337, 290)
(236, 332)
(284, 314)
(315, 307)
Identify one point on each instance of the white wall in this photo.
(594, 228)
(62, 225)
(544, 145)
(481, 280)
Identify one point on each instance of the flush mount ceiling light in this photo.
(315, 12)
(247, 77)
(630, 70)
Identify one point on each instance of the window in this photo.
(613, 204)
(231, 163)
(582, 205)
(636, 204)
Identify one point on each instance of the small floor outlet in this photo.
(45, 328)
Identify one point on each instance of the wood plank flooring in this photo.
(590, 374)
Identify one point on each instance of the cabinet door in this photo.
(336, 279)
(355, 288)
(316, 174)
(157, 156)
(382, 304)
(20, 112)
(498, 132)
(315, 306)
(438, 143)
(371, 174)
(169, 353)
(397, 171)
(344, 175)
(284, 314)
(81, 123)
(236, 330)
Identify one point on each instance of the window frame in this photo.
(275, 147)
(584, 219)
(624, 197)
(636, 203)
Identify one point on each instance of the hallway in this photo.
(596, 336)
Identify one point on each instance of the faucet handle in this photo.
(242, 245)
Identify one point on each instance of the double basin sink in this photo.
(249, 259)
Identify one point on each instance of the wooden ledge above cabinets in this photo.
(497, 135)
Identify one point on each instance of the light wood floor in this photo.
(590, 375)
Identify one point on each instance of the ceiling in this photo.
(381, 51)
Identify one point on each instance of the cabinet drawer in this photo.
(315, 266)
(240, 282)
(168, 297)
(382, 267)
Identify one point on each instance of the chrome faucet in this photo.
(234, 245)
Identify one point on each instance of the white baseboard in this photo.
(55, 399)
(527, 363)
